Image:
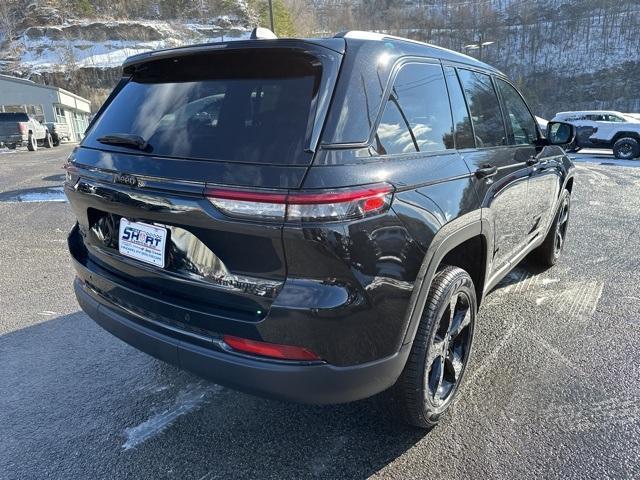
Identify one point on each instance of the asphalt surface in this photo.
(553, 389)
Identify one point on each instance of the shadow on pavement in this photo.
(71, 392)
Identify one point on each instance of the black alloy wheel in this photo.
(561, 225)
(449, 350)
(441, 349)
(548, 253)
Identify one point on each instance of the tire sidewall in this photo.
(627, 140)
(463, 283)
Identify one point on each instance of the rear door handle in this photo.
(486, 171)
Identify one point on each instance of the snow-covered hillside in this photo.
(106, 44)
(50, 44)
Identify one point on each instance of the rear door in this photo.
(501, 170)
(544, 163)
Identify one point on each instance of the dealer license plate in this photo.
(142, 241)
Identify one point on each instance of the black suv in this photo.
(313, 220)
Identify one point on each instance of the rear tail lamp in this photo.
(304, 206)
(23, 128)
(272, 350)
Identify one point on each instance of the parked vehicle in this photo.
(20, 129)
(293, 218)
(60, 132)
(605, 129)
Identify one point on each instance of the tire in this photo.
(415, 397)
(548, 253)
(48, 142)
(626, 148)
(12, 146)
(32, 144)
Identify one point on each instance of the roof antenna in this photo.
(261, 33)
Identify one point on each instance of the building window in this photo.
(60, 115)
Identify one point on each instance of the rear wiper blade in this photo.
(125, 140)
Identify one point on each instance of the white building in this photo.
(45, 103)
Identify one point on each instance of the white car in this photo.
(605, 129)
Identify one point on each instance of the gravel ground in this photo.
(553, 389)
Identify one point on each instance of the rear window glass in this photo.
(254, 107)
(13, 117)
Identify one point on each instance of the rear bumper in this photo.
(13, 140)
(312, 383)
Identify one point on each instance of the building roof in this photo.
(31, 83)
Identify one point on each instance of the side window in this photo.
(523, 126)
(463, 133)
(416, 117)
(484, 107)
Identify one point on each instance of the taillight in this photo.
(23, 128)
(272, 350)
(303, 206)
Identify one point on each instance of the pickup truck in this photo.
(59, 132)
(20, 129)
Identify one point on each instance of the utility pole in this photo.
(271, 15)
(479, 45)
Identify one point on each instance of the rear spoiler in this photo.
(130, 64)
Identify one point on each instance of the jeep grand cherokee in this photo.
(313, 220)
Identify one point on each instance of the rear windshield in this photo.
(247, 106)
(14, 117)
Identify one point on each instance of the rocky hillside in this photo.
(565, 54)
(51, 43)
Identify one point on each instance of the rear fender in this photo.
(448, 237)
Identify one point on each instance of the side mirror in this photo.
(560, 133)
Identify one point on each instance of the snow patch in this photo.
(187, 400)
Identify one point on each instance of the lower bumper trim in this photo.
(303, 383)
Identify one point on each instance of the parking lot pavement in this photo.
(553, 389)
(602, 157)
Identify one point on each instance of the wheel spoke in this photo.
(435, 378)
(462, 321)
(565, 216)
(454, 361)
(559, 239)
(436, 350)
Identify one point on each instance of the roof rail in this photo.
(363, 35)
